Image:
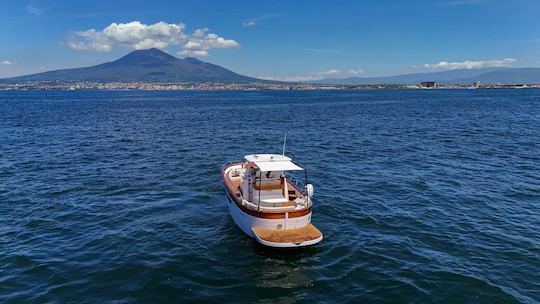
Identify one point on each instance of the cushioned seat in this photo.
(274, 200)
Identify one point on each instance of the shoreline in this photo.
(86, 86)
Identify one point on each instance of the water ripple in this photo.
(423, 196)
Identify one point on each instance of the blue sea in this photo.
(424, 196)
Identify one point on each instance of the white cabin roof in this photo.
(272, 162)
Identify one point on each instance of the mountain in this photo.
(152, 65)
(505, 76)
(461, 76)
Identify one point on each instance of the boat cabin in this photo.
(265, 184)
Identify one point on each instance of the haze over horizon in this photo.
(277, 41)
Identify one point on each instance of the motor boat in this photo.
(270, 204)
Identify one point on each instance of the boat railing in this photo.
(228, 165)
(299, 184)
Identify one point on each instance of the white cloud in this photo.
(471, 64)
(248, 23)
(6, 62)
(340, 74)
(137, 35)
(201, 41)
(34, 9)
(133, 35)
(333, 73)
(255, 20)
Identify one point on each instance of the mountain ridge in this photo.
(151, 65)
(156, 66)
(460, 76)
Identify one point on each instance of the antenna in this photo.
(284, 142)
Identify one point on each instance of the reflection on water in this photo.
(283, 268)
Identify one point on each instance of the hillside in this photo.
(462, 76)
(152, 65)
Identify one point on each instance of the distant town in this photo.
(211, 86)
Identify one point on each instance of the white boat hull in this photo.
(247, 222)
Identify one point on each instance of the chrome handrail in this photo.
(227, 164)
(298, 183)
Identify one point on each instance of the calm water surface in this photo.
(423, 196)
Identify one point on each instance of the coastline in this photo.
(143, 86)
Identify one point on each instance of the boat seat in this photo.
(274, 200)
(269, 184)
(271, 194)
(271, 191)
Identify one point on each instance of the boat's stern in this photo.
(288, 238)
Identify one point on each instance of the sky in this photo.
(282, 40)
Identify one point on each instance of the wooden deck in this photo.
(296, 235)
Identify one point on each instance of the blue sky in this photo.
(288, 40)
